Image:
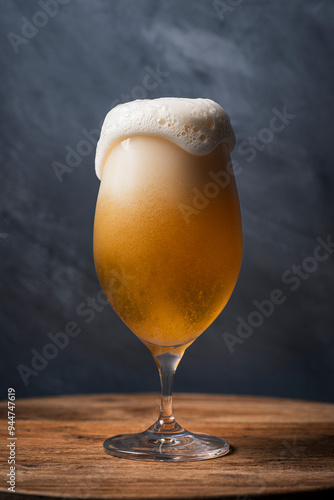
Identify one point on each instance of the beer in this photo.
(167, 244)
(167, 237)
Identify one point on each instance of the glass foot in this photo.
(172, 447)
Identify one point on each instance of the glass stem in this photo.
(167, 364)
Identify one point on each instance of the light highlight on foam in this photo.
(196, 125)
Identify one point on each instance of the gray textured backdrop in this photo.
(58, 80)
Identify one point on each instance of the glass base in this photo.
(181, 446)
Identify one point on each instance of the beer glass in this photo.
(167, 251)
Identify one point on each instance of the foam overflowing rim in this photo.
(196, 125)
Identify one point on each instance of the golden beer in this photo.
(167, 237)
(167, 244)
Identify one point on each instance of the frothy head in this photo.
(196, 125)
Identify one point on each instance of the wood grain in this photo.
(279, 446)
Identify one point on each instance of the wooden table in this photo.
(279, 446)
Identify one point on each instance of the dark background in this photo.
(253, 58)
